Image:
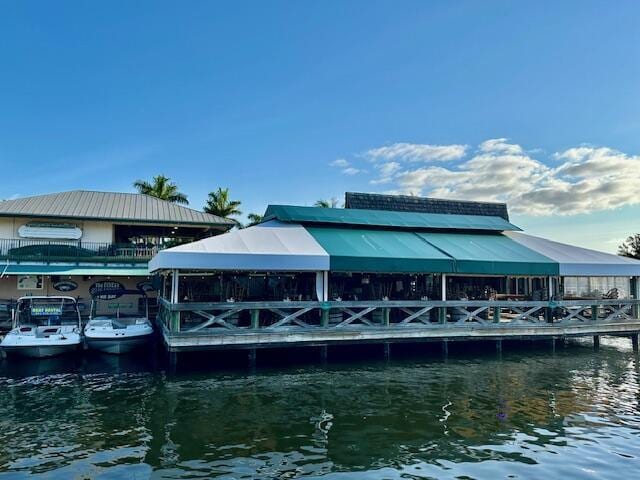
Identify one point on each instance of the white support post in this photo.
(325, 283)
(175, 279)
(444, 287)
(550, 287)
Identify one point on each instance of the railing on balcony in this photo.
(27, 250)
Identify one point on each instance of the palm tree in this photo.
(254, 219)
(161, 187)
(219, 204)
(333, 203)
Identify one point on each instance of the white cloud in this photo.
(587, 179)
(340, 162)
(351, 171)
(416, 152)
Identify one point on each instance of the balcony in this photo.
(47, 251)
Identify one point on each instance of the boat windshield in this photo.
(128, 305)
(47, 311)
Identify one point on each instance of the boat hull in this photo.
(117, 345)
(39, 351)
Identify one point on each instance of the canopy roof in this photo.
(577, 261)
(490, 254)
(269, 246)
(35, 269)
(387, 218)
(390, 251)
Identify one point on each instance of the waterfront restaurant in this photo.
(388, 268)
(76, 242)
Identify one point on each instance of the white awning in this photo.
(270, 246)
(577, 261)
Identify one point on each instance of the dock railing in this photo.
(192, 319)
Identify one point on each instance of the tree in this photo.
(254, 219)
(161, 187)
(219, 204)
(630, 247)
(332, 203)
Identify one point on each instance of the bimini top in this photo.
(577, 261)
(270, 246)
(386, 218)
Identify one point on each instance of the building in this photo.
(395, 268)
(79, 241)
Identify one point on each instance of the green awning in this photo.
(386, 218)
(491, 254)
(24, 269)
(382, 251)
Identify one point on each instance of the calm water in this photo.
(529, 414)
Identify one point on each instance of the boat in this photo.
(118, 322)
(44, 326)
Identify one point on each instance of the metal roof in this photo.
(411, 203)
(115, 206)
(386, 218)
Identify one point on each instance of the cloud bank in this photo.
(579, 180)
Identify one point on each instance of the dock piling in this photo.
(596, 342)
(634, 342)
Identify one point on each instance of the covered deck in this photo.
(301, 278)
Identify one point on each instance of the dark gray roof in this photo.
(114, 206)
(408, 203)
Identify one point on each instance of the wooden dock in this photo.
(251, 325)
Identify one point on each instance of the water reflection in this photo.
(528, 414)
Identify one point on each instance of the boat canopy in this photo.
(576, 261)
(270, 246)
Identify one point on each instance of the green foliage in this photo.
(161, 187)
(221, 205)
(630, 247)
(332, 203)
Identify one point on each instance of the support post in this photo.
(385, 316)
(323, 354)
(553, 345)
(252, 358)
(173, 361)
(443, 310)
(445, 348)
(596, 341)
(325, 282)
(324, 317)
(496, 314)
(255, 318)
(594, 313)
(387, 351)
(634, 342)
(499, 346)
(175, 280)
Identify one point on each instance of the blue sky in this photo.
(288, 102)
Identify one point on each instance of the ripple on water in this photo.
(527, 415)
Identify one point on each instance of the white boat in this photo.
(118, 325)
(44, 326)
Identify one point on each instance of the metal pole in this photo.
(325, 290)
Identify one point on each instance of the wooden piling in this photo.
(596, 341)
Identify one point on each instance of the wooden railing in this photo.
(27, 250)
(206, 318)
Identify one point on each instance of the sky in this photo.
(533, 103)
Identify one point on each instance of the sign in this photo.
(145, 286)
(108, 286)
(46, 310)
(65, 286)
(29, 282)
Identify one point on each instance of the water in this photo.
(529, 414)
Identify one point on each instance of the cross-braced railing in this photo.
(195, 318)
